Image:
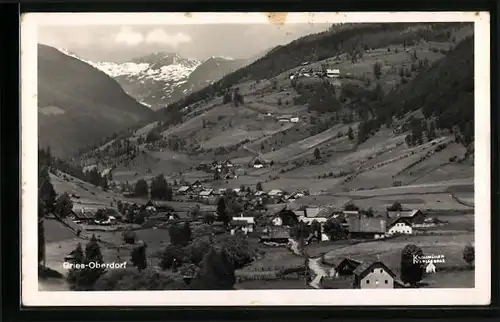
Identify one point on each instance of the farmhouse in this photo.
(367, 227)
(332, 73)
(275, 193)
(399, 226)
(285, 217)
(345, 266)
(184, 190)
(258, 162)
(247, 224)
(260, 193)
(196, 185)
(206, 193)
(294, 119)
(374, 275)
(413, 216)
(85, 216)
(285, 118)
(275, 234)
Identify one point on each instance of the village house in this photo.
(276, 193)
(84, 216)
(164, 216)
(197, 185)
(260, 194)
(285, 118)
(183, 190)
(276, 234)
(332, 73)
(246, 224)
(375, 274)
(367, 227)
(285, 217)
(344, 266)
(399, 226)
(415, 217)
(259, 162)
(205, 194)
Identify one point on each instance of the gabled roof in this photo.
(184, 188)
(403, 214)
(350, 212)
(207, 192)
(392, 221)
(365, 268)
(367, 224)
(337, 262)
(260, 193)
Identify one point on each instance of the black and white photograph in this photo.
(267, 158)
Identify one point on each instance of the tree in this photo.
(195, 212)
(316, 229)
(362, 132)
(138, 256)
(238, 249)
(431, 131)
(63, 206)
(41, 232)
(350, 134)
(153, 135)
(180, 235)
(160, 188)
(317, 154)
(279, 101)
(412, 268)
(46, 190)
(222, 211)
(208, 218)
(129, 236)
(469, 254)
(377, 70)
(258, 187)
(84, 278)
(141, 188)
(395, 207)
(370, 212)
(334, 229)
(351, 207)
(216, 272)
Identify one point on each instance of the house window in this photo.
(381, 270)
(367, 281)
(386, 282)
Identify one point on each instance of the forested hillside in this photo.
(319, 46)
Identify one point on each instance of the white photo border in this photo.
(31, 296)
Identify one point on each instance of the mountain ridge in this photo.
(79, 104)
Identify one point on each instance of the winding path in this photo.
(314, 265)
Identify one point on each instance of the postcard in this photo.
(256, 159)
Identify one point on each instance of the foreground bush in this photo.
(130, 279)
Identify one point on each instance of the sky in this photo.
(121, 43)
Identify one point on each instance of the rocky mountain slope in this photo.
(78, 104)
(159, 79)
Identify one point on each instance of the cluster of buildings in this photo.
(310, 72)
(352, 224)
(361, 275)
